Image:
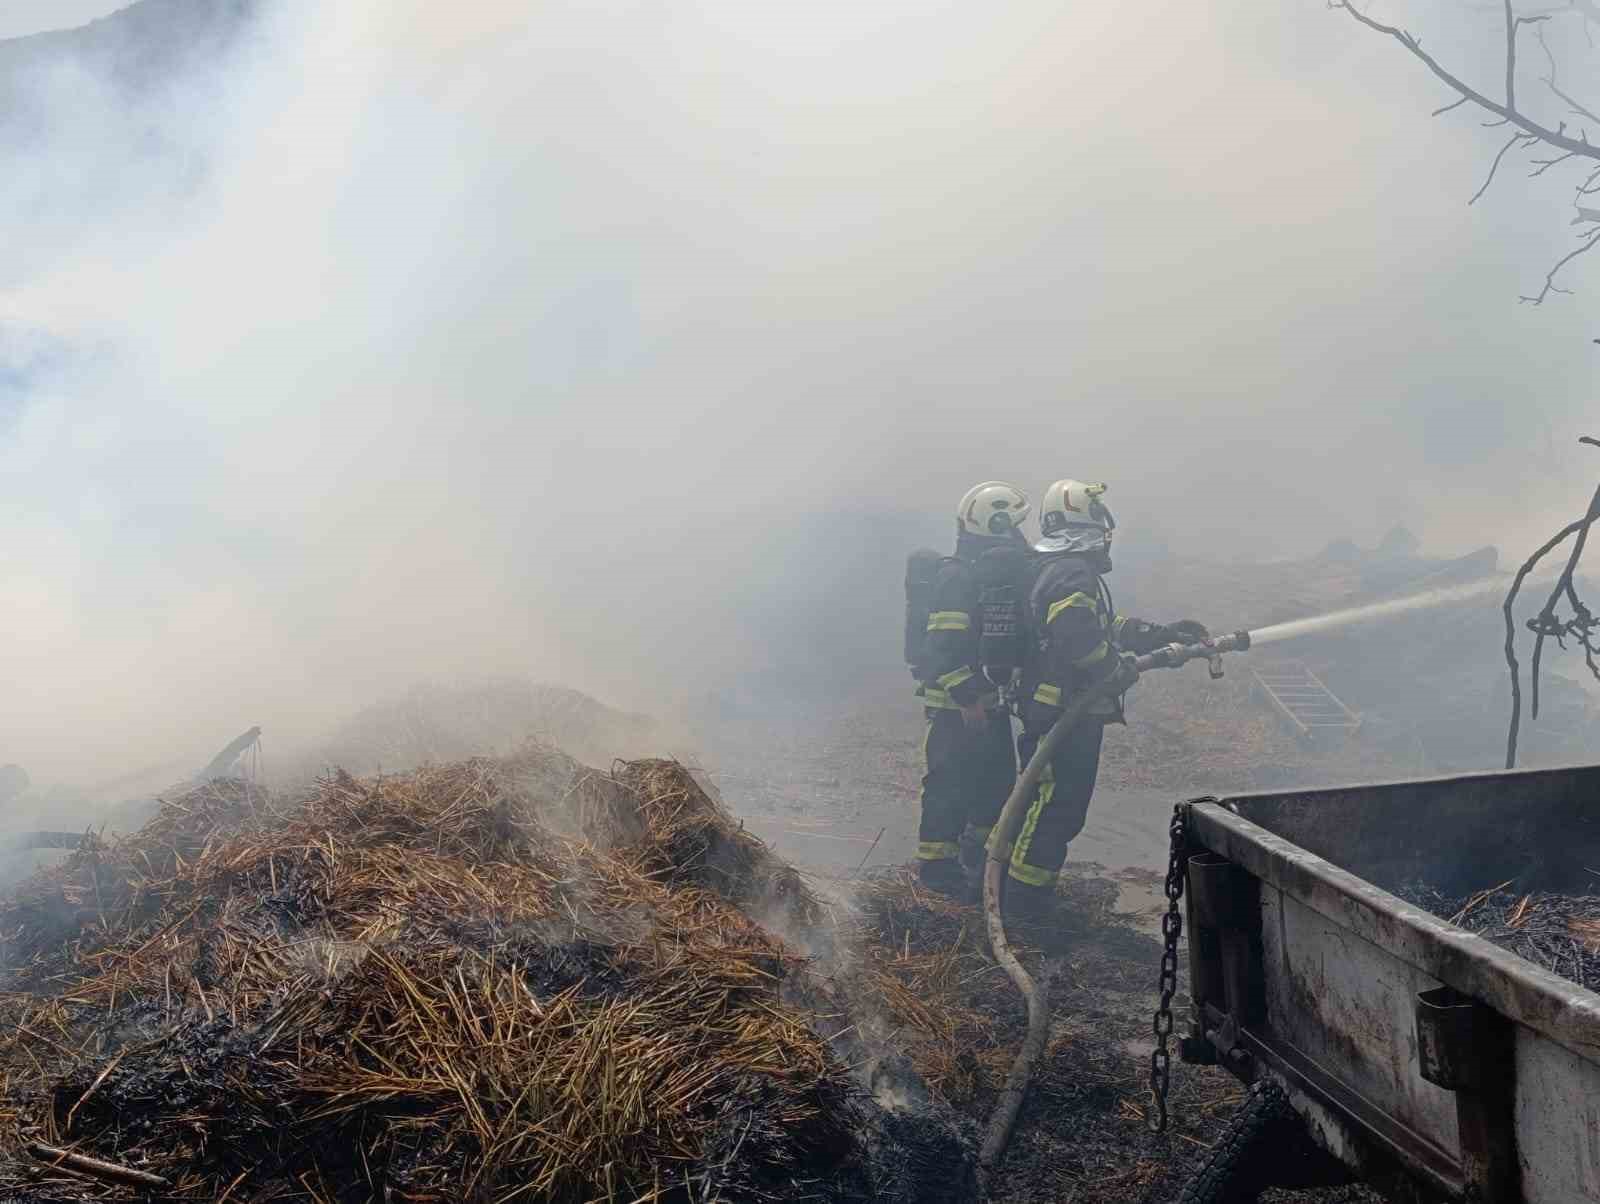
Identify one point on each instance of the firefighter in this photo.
(965, 667)
(1080, 641)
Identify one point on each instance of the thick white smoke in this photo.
(421, 340)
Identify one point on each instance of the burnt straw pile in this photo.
(491, 980)
(1559, 932)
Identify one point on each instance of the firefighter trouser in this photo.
(969, 776)
(1060, 802)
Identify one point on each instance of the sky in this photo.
(422, 340)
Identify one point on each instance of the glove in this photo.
(1189, 632)
(1120, 673)
(1125, 674)
(975, 718)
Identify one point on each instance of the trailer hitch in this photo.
(1222, 1035)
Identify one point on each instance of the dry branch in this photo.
(1546, 624)
(1506, 112)
(1530, 131)
(96, 1168)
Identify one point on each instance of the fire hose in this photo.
(1169, 656)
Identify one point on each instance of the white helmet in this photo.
(992, 509)
(1074, 519)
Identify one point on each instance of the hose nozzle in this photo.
(1170, 656)
(1239, 641)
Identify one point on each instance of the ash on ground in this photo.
(1081, 1136)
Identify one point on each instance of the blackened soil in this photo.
(1082, 1135)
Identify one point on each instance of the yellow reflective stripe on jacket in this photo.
(937, 699)
(1095, 657)
(937, 850)
(1078, 599)
(949, 681)
(949, 620)
(1117, 625)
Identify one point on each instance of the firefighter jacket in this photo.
(1079, 639)
(953, 676)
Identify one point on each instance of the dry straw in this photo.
(408, 988)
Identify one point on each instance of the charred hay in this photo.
(410, 988)
(1559, 932)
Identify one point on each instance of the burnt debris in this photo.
(410, 988)
(1560, 932)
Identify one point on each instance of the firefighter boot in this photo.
(944, 876)
(1025, 904)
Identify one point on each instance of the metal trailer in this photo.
(1428, 1061)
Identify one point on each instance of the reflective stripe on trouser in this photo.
(968, 777)
(1060, 804)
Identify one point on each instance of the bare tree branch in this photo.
(1512, 23)
(1545, 165)
(1494, 167)
(1546, 625)
(1511, 58)
(1529, 131)
(1578, 110)
(1550, 276)
(1528, 566)
(1550, 82)
(1507, 111)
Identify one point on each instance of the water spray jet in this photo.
(1372, 611)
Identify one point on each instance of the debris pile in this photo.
(521, 979)
(1558, 932)
(412, 988)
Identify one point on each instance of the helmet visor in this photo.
(1091, 536)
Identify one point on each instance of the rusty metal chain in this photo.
(1171, 930)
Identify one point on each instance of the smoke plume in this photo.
(587, 341)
